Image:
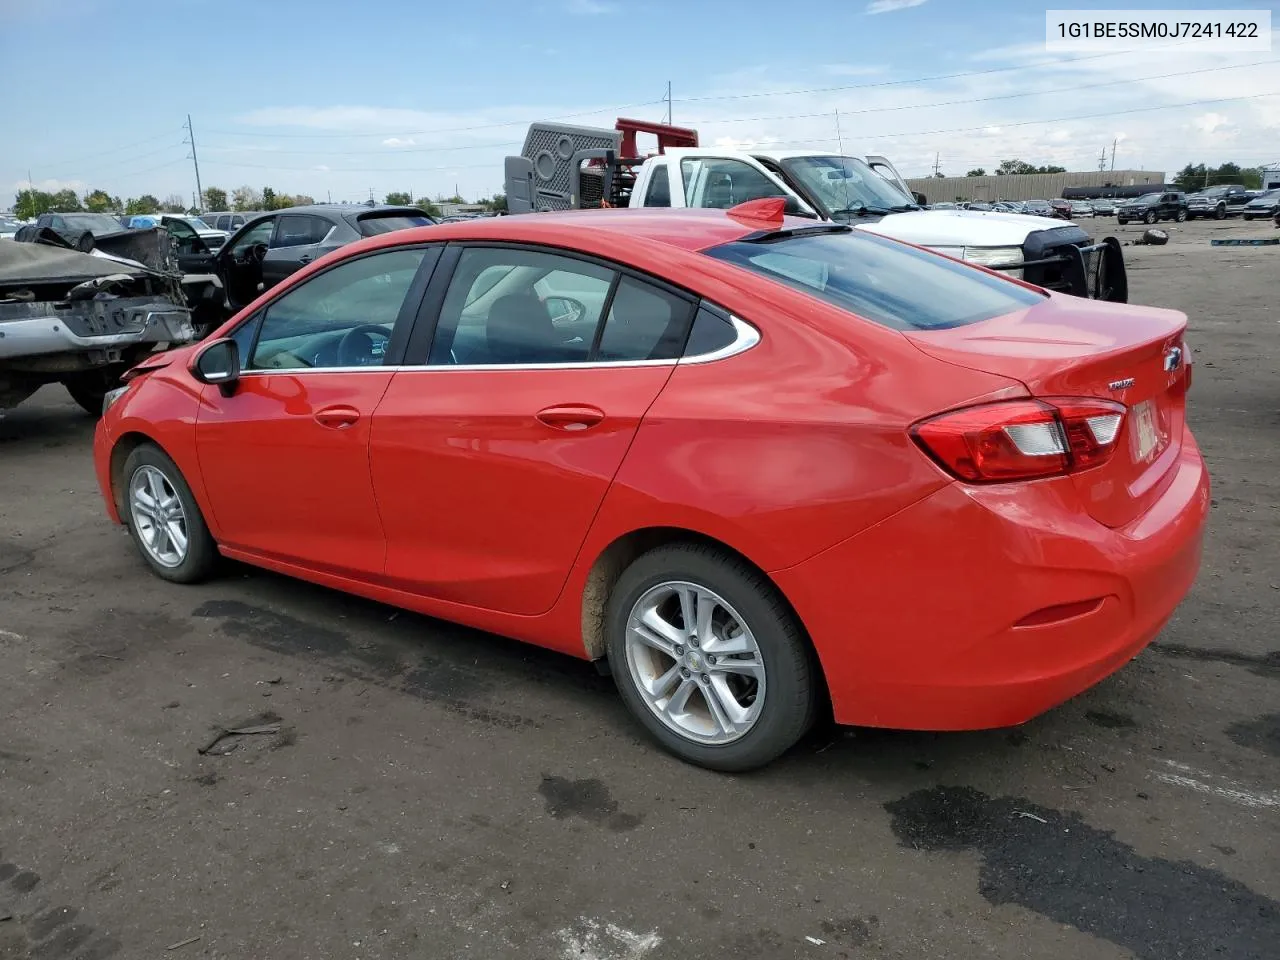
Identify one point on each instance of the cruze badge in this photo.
(1173, 359)
(1124, 384)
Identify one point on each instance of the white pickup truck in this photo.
(565, 167)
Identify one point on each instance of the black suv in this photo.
(1151, 207)
(1218, 202)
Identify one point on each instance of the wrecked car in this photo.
(83, 319)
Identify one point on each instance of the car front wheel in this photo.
(1150, 217)
(1181, 216)
(164, 519)
(709, 657)
(1220, 213)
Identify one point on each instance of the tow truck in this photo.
(565, 167)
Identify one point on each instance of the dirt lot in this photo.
(436, 792)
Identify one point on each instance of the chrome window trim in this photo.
(747, 337)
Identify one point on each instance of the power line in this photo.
(103, 153)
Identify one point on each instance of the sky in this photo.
(335, 99)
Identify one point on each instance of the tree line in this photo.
(30, 203)
(1013, 168)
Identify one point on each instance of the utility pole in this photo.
(1102, 159)
(937, 163)
(191, 139)
(1114, 143)
(839, 137)
(669, 102)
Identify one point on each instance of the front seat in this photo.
(519, 330)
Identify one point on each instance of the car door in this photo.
(194, 256)
(295, 243)
(285, 457)
(239, 262)
(497, 440)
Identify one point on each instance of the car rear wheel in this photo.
(1182, 215)
(163, 518)
(709, 657)
(1150, 217)
(1121, 220)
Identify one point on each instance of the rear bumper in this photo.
(91, 326)
(915, 620)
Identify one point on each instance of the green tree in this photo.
(141, 205)
(99, 201)
(173, 203)
(456, 198)
(397, 198)
(1191, 178)
(427, 206)
(268, 198)
(65, 201)
(497, 203)
(215, 198)
(30, 203)
(245, 198)
(976, 172)
(302, 200)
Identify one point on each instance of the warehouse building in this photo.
(1028, 186)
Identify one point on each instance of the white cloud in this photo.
(889, 6)
(593, 8)
(51, 185)
(1210, 122)
(398, 142)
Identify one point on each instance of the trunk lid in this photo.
(1070, 347)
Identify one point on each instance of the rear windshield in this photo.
(372, 226)
(881, 280)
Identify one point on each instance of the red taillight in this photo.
(1022, 439)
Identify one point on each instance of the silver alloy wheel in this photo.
(695, 662)
(158, 516)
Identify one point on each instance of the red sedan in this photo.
(755, 463)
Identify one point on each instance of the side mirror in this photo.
(219, 364)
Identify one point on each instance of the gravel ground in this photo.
(437, 792)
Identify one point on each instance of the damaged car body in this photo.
(83, 319)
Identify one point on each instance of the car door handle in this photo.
(305, 258)
(339, 418)
(571, 416)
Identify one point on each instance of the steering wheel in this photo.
(346, 346)
(256, 253)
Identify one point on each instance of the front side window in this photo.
(340, 318)
(718, 183)
(258, 233)
(510, 306)
(881, 280)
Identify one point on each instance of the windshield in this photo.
(93, 222)
(1266, 195)
(846, 186)
(196, 222)
(372, 226)
(1038, 205)
(1148, 198)
(881, 280)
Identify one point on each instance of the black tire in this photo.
(1181, 216)
(1248, 216)
(791, 696)
(202, 552)
(85, 243)
(1220, 213)
(1121, 220)
(1150, 218)
(89, 395)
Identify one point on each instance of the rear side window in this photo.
(295, 231)
(889, 283)
(711, 332)
(372, 226)
(644, 323)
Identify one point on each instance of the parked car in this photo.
(1061, 208)
(9, 226)
(271, 246)
(227, 220)
(944, 205)
(978, 205)
(1103, 207)
(1037, 208)
(1007, 206)
(80, 320)
(536, 425)
(1081, 208)
(1265, 204)
(79, 230)
(1153, 207)
(1219, 202)
(182, 227)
